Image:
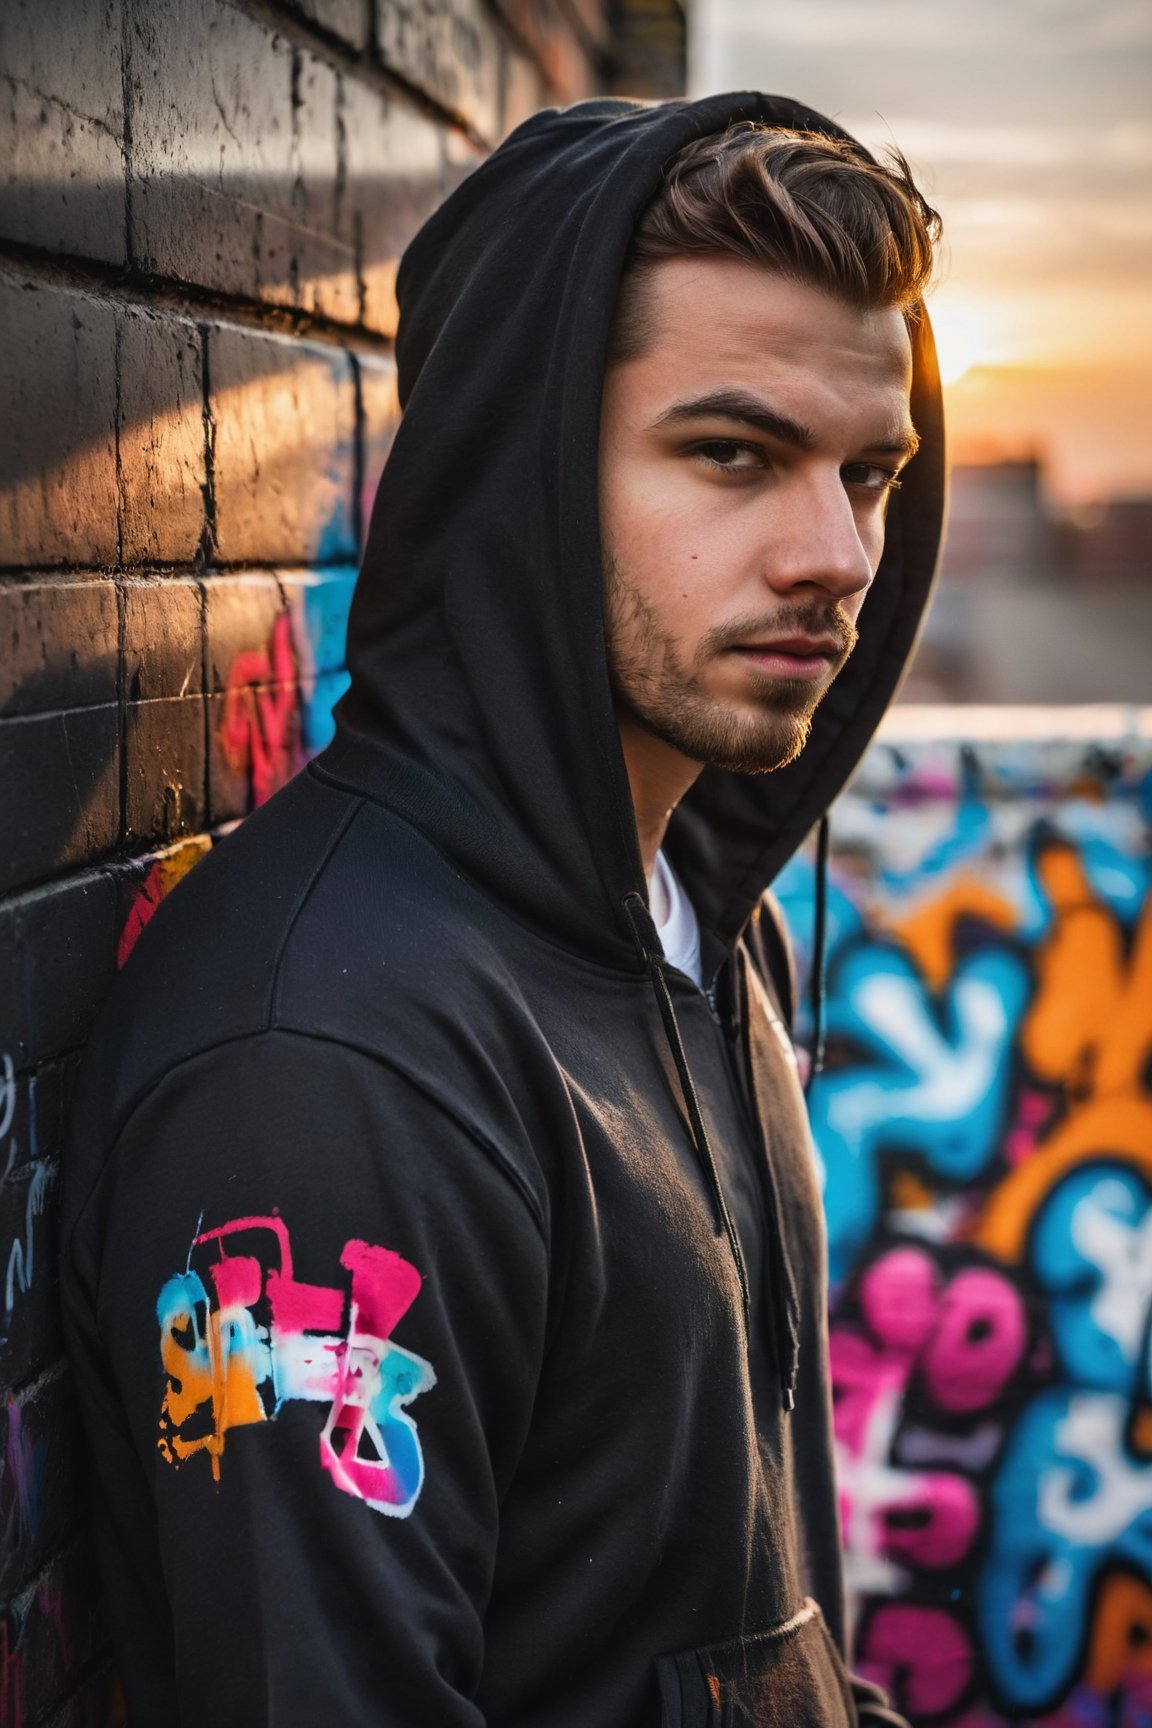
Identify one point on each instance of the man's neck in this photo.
(659, 776)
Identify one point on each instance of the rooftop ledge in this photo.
(947, 722)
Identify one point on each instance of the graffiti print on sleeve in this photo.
(240, 1336)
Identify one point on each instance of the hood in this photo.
(480, 707)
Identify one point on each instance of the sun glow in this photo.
(967, 335)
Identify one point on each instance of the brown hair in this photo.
(814, 208)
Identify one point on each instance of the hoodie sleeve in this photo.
(320, 1301)
(872, 1707)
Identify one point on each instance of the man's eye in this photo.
(730, 455)
(869, 477)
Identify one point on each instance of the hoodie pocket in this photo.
(789, 1677)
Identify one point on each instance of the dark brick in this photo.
(50, 1093)
(62, 126)
(40, 1494)
(649, 48)
(162, 439)
(345, 18)
(285, 421)
(164, 787)
(163, 639)
(30, 1332)
(67, 934)
(97, 1703)
(31, 1108)
(59, 792)
(564, 54)
(460, 158)
(235, 158)
(212, 167)
(450, 50)
(14, 1033)
(16, 1130)
(58, 643)
(57, 435)
(324, 251)
(595, 16)
(240, 614)
(380, 416)
(525, 90)
(394, 182)
(57, 1629)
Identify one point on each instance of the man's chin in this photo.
(739, 743)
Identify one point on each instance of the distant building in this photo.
(998, 519)
(1113, 542)
(1036, 606)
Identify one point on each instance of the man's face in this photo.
(746, 460)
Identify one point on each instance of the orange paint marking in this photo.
(928, 933)
(1111, 1128)
(1090, 1027)
(1121, 1640)
(906, 1193)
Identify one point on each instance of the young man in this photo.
(443, 1265)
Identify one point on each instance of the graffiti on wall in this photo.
(279, 693)
(984, 1126)
(277, 712)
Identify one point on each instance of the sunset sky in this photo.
(1029, 125)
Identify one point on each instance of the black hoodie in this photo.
(439, 1264)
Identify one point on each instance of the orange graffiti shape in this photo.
(928, 933)
(1105, 1128)
(1090, 1027)
(226, 1381)
(1121, 1639)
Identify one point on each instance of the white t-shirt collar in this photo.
(675, 919)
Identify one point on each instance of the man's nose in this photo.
(819, 543)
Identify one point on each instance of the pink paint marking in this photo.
(22, 1460)
(260, 712)
(947, 1517)
(921, 1655)
(238, 1279)
(304, 1307)
(238, 1225)
(144, 903)
(979, 1341)
(899, 1295)
(1031, 1114)
(861, 1376)
(368, 1478)
(384, 1287)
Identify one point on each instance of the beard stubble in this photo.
(652, 682)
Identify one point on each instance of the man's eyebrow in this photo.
(741, 405)
(904, 444)
(754, 411)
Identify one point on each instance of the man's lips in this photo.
(792, 656)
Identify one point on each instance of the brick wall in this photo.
(201, 209)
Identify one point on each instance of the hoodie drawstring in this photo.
(785, 1303)
(648, 943)
(819, 953)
